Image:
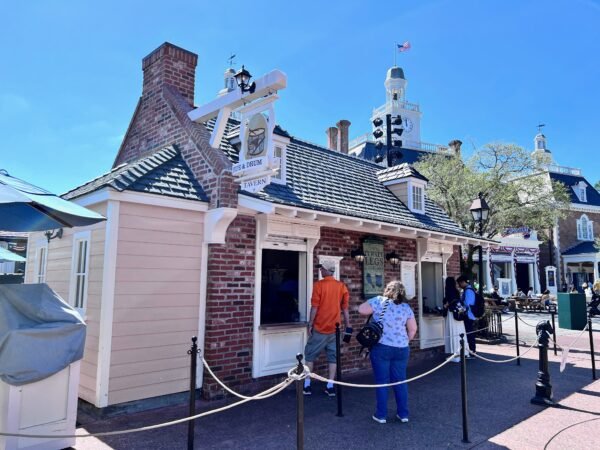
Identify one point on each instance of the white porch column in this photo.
(596, 272)
(536, 278)
(513, 273)
(488, 272)
(530, 268)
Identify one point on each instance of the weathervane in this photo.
(230, 59)
(540, 126)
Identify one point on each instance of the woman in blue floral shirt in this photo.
(389, 357)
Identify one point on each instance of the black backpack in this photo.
(370, 334)
(478, 309)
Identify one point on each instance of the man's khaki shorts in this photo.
(315, 345)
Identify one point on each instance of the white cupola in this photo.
(395, 85)
(540, 150)
(228, 82)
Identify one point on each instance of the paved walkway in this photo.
(500, 414)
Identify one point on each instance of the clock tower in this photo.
(396, 104)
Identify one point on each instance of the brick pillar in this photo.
(343, 126)
(332, 138)
(170, 65)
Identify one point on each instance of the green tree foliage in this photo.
(513, 183)
(597, 186)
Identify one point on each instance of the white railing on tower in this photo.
(555, 168)
(423, 146)
(395, 105)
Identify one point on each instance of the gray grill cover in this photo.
(40, 334)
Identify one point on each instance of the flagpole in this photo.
(395, 52)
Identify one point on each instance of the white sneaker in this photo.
(456, 359)
(402, 419)
(379, 420)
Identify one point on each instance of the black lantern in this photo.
(358, 255)
(54, 234)
(243, 81)
(393, 258)
(480, 210)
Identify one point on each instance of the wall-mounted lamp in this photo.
(393, 258)
(54, 234)
(358, 255)
(243, 81)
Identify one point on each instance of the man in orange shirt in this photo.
(329, 298)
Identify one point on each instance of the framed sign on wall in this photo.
(373, 267)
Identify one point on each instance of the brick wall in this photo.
(336, 242)
(230, 307)
(160, 119)
(567, 229)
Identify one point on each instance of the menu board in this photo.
(407, 274)
(373, 266)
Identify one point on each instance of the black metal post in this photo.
(463, 388)
(543, 388)
(592, 346)
(193, 352)
(517, 334)
(338, 369)
(552, 313)
(299, 406)
(480, 276)
(388, 132)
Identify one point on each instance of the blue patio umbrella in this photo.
(25, 207)
(7, 255)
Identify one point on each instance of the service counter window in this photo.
(283, 287)
(433, 287)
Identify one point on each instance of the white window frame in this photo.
(282, 174)
(585, 228)
(411, 204)
(82, 236)
(41, 261)
(580, 190)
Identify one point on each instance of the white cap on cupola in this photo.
(395, 84)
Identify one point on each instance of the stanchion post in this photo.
(543, 388)
(338, 370)
(552, 313)
(193, 352)
(299, 405)
(592, 346)
(517, 335)
(463, 387)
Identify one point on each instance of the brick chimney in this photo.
(343, 125)
(332, 138)
(455, 146)
(171, 65)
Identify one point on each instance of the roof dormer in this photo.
(580, 190)
(406, 183)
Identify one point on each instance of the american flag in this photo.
(404, 47)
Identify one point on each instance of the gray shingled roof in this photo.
(398, 172)
(581, 248)
(163, 173)
(323, 180)
(593, 196)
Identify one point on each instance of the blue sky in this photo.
(481, 71)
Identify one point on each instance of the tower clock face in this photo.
(408, 125)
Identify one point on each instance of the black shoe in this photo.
(330, 392)
(307, 390)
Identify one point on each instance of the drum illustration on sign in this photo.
(256, 141)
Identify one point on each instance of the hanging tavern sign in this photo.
(256, 162)
(373, 267)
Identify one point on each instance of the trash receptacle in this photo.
(572, 311)
(41, 343)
